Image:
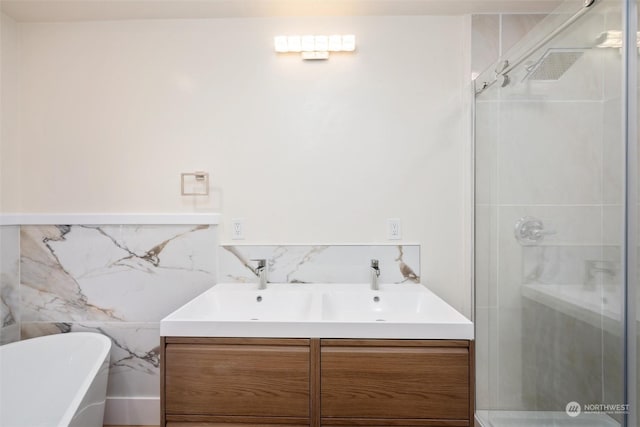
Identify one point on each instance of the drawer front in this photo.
(386, 423)
(395, 382)
(241, 380)
(381, 423)
(372, 422)
(206, 424)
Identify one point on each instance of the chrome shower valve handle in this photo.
(530, 231)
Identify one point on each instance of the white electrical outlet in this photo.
(394, 230)
(237, 229)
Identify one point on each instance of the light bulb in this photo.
(308, 43)
(294, 44)
(322, 43)
(280, 43)
(348, 42)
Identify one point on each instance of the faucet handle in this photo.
(530, 231)
(375, 274)
(261, 271)
(262, 263)
(375, 266)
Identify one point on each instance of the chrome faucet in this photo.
(594, 267)
(375, 273)
(261, 272)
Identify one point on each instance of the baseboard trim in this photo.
(132, 411)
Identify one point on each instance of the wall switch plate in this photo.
(394, 230)
(237, 229)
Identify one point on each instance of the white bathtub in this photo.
(55, 380)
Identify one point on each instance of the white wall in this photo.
(9, 157)
(10, 194)
(305, 152)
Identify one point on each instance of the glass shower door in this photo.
(633, 131)
(550, 235)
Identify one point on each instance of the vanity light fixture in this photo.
(315, 47)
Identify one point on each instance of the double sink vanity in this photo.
(316, 354)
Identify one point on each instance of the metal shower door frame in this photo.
(630, 132)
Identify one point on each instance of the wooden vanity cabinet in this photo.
(255, 382)
(396, 382)
(249, 382)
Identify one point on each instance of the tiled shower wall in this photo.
(492, 36)
(549, 151)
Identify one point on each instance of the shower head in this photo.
(553, 64)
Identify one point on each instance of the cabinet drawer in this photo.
(240, 380)
(373, 422)
(395, 382)
(205, 424)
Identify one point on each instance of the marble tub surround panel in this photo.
(110, 273)
(9, 283)
(135, 358)
(118, 280)
(321, 263)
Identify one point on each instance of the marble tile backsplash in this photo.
(121, 280)
(321, 264)
(118, 280)
(9, 283)
(135, 353)
(110, 273)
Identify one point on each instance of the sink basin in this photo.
(407, 311)
(382, 306)
(239, 303)
(375, 306)
(262, 305)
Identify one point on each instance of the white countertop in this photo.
(396, 311)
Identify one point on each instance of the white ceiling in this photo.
(97, 10)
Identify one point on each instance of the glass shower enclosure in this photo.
(556, 223)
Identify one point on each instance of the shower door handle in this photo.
(530, 231)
